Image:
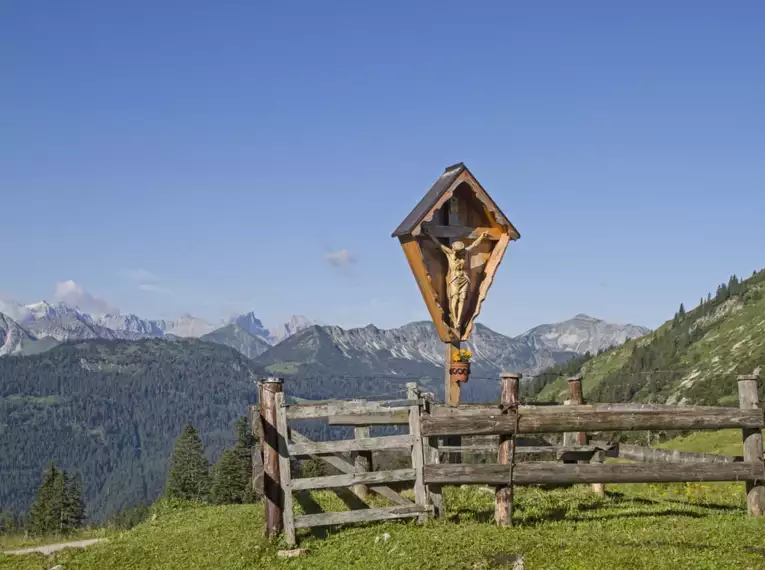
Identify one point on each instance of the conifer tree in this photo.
(43, 518)
(8, 523)
(233, 473)
(188, 477)
(73, 506)
(58, 507)
(244, 437)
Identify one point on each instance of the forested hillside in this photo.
(111, 411)
(692, 358)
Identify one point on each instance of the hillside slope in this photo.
(239, 339)
(693, 358)
(112, 411)
(562, 529)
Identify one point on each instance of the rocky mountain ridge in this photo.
(302, 347)
(67, 322)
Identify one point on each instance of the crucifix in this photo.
(470, 234)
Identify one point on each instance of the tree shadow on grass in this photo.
(620, 498)
(554, 515)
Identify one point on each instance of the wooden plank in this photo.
(464, 232)
(373, 419)
(345, 445)
(350, 479)
(576, 397)
(271, 481)
(256, 476)
(504, 494)
(489, 271)
(366, 515)
(556, 450)
(431, 456)
(435, 493)
(417, 264)
(451, 389)
(652, 455)
(749, 399)
(611, 417)
(362, 461)
(288, 515)
(439, 410)
(418, 463)
(452, 394)
(547, 473)
(329, 409)
(345, 466)
(471, 410)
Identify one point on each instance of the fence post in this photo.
(418, 459)
(271, 480)
(256, 481)
(576, 397)
(362, 461)
(285, 476)
(749, 399)
(503, 496)
(431, 456)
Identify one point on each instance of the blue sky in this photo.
(210, 157)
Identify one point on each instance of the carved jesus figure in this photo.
(457, 280)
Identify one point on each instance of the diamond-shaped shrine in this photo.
(454, 241)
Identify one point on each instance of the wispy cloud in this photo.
(340, 258)
(145, 280)
(75, 295)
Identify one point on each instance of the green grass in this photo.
(634, 527)
(723, 442)
(679, 526)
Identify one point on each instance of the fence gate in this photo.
(357, 474)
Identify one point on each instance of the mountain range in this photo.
(63, 322)
(302, 347)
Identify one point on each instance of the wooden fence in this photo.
(582, 462)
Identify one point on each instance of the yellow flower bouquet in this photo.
(462, 356)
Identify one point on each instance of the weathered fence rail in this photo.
(489, 429)
(547, 473)
(598, 417)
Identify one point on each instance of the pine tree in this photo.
(45, 513)
(73, 506)
(229, 480)
(244, 437)
(8, 523)
(232, 475)
(188, 477)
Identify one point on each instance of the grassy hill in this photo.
(694, 526)
(693, 358)
(563, 529)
